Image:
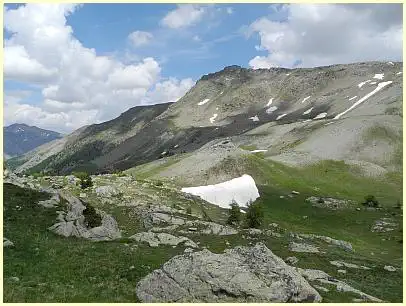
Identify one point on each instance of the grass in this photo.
(326, 178)
(55, 269)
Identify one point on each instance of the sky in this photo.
(70, 65)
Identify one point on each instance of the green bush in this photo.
(254, 216)
(85, 179)
(370, 201)
(234, 216)
(92, 218)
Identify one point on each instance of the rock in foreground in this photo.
(242, 274)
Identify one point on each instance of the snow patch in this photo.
(256, 151)
(378, 76)
(400, 72)
(390, 63)
(372, 83)
(320, 116)
(269, 103)
(378, 88)
(305, 99)
(241, 189)
(212, 118)
(176, 146)
(281, 116)
(363, 83)
(308, 111)
(307, 120)
(352, 98)
(271, 109)
(254, 118)
(203, 102)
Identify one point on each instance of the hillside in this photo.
(299, 116)
(21, 138)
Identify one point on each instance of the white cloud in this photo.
(330, 34)
(229, 10)
(78, 86)
(140, 38)
(184, 15)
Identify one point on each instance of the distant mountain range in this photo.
(350, 113)
(22, 138)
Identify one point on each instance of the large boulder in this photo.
(242, 274)
(155, 239)
(72, 222)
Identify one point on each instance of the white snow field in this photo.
(254, 118)
(304, 100)
(280, 116)
(257, 151)
(378, 88)
(213, 118)
(271, 109)
(203, 102)
(241, 189)
(269, 103)
(308, 111)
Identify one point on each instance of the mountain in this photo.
(298, 117)
(21, 138)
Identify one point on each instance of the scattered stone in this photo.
(192, 229)
(7, 243)
(155, 239)
(342, 271)
(384, 225)
(324, 278)
(14, 279)
(272, 233)
(358, 209)
(281, 197)
(242, 274)
(106, 191)
(253, 231)
(188, 250)
(390, 268)
(83, 195)
(295, 192)
(292, 260)
(303, 248)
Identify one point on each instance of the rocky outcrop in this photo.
(156, 239)
(52, 202)
(303, 248)
(242, 274)
(106, 191)
(384, 225)
(72, 222)
(324, 278)
(329, 203)
(7, 243)
(340, 264)
(340, 243)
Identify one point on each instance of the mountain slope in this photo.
(300, 116)
(21, 138)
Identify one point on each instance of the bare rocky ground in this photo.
(156, 214)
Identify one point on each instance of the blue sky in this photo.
(66, 65)
(105, 27)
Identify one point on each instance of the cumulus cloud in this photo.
(184, 15)
(324, 34)
(78, 86)
(140, 38)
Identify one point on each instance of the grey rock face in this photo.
(106, 191)
(242, 274)
(384, 225)
(348, 265)
(52, 202)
